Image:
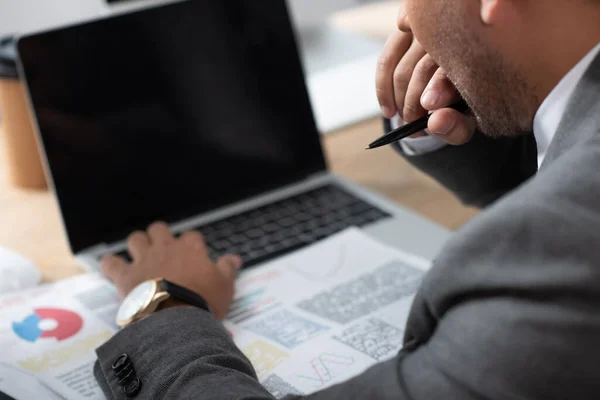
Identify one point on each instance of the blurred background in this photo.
(340, 42)
(28, 15)
(334, 52)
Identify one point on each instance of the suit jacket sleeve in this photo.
(184, 353)
(481, 171)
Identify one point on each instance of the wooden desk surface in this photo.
(30, 221)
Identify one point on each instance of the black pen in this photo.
(412, 128)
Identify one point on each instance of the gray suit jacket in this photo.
(509, 311)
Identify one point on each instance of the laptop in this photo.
(195, 113)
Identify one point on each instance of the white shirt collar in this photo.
(550, 113)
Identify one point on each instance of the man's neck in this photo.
(561, 46)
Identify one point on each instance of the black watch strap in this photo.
(185, 295)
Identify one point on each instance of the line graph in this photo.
(323, 368)
(323, 270)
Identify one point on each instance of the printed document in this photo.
(49, 334)
(326, 313)
(314, 318)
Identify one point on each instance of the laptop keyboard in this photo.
(278, 228)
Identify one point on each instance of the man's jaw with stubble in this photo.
(500, 97)
(501, 101)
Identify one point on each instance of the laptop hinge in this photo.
(103, 248)
(317, 175)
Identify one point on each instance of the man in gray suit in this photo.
(511, 307)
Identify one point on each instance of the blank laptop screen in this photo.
(169, 112)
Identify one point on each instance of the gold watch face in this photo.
(136, 302)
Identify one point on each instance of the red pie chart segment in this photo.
(68, 322)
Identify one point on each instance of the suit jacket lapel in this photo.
(582, 117)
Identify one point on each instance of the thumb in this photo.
(451, 126)
(439, 93)
(229, 265)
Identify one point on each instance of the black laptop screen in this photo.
(169, 112)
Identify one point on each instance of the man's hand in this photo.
(410, 84)
(157, 253)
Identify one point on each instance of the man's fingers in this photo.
(404, 73)
(137, 243)
(395, 48)
(421, 77)
(403, 22)
(160, 233)
(113, 267)
(452, 126)
(439, 93)
(229, 265)
(194, 239)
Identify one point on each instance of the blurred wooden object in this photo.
(23, 165)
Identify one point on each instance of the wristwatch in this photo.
(147, 296)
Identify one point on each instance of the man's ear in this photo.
(489, 10)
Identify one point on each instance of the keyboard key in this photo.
(270, 228)
(308, 226)
(209, 237)
(285, 233)
(208, 230)
(271, 256)
(255, 214)
(373, 215)
(225, 232)
(255, 233)
(275, 247)
(302, 216)
(265, 240)
(238, 239)
(326, 231)
(338, 226)
(307, 238)
(327, 220)
(283, 213)
(342, 214)
(359, 208)
(245, 248)
(360, 220)
(287, 222)
(252, 245)
(221, 245)
(221, 226)
(291, 242)
(258, 221)
(257, 254)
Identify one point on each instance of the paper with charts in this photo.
(324, 314)
(48, 337)
(306, 321)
